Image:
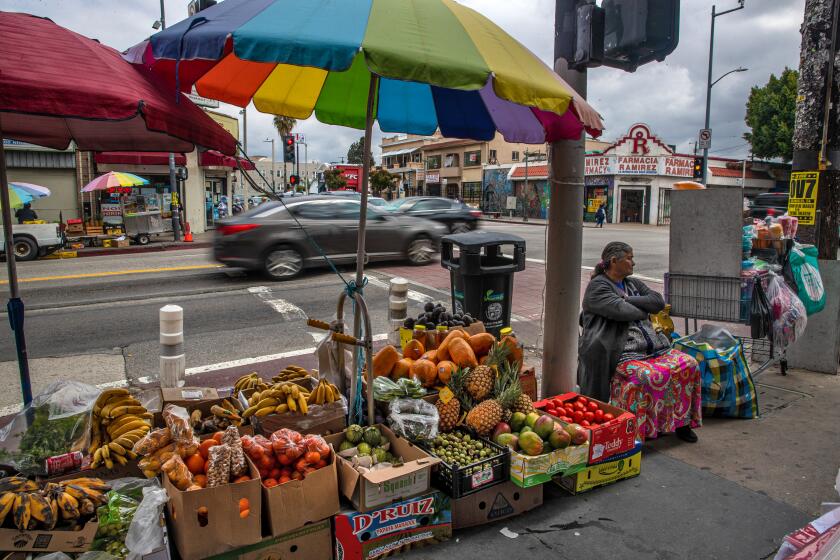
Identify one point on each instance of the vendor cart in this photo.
(140, 226)
(704, 281)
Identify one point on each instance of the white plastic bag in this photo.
(413, 419)
(145, 534)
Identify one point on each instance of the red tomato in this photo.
(589, 416)
(608, 417)
(585, 423)
(578, 416)
(582, 399)
(579, 405)
(551, 411)
(593, 406)
(558, 401)
(599, 414)
(562, 411)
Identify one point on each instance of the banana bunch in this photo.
(250, 381)
(281, 398)
(32, 506)
(290, 373)
(324, 393)
(118, 421)
(228, 413)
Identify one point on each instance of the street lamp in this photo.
(709, 82)
(273, 187)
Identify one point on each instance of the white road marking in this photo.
(287, 309)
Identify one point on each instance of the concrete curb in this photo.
(146, 249)
(521, 223)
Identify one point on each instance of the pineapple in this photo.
(523, 404)
(486, 414)
(450, 412)
(481, 379)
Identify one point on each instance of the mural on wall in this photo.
(533, 200)
(496, 189)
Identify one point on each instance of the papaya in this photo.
(425, 372)
(482, 343)
(402, 368)
(385, 360)
(431, 355)
(443, 350)
(445, 369)
(414, 349)
(462, 354)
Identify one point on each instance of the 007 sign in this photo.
(802, 201)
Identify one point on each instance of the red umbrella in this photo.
(57, 86)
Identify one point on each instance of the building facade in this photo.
(54, 169)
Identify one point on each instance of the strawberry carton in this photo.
(612, 430)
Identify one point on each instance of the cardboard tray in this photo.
(606, 440)
(294, 504)
(14, 540)
(527, 470)
(379, 488)
(617, 468)
(313, 542)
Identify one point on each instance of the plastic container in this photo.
(441, 332)
(458, 482)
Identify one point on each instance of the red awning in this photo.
(138, 158)
(212, 158)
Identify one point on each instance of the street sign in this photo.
(802, 201)
(299, 138)
(203, 101)
(705, 139)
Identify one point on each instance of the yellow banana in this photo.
(120, 459)
(131, 409)
(116, 448)
(107, 395)
(301, 402)
(7, 501)
(54, 510)
(68, 505)
(123, 401)
(41, 510)
(89, 482)
(281, 409)
(17, 484)
(22, 511)
(130, 427)
(292, 404)
(86, 507)
(106, 453)
(97, 458)
(264, 411)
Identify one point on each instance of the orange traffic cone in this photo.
(187, 233)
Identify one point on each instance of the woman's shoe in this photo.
(685, 433)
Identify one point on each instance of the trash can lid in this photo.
(482, 238)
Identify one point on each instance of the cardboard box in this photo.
(291, 505)
(381, 487)
(330, 419)
(13, 540)
(625, 466)
(527, 470)
(495, 503)
(387, 531)
(188, 396)
(528, 380)
(606, 440)
(313, 542)
(224, 530)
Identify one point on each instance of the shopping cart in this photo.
(723, 300)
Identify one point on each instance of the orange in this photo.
(243, 478)
(269, 483)
(204, 448)
(244, 504)
(244, 513)
(201, 480)
(218, 437)
(195, 464)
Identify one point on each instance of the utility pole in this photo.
(565, 226)
(525, 192)
(816, 135)
(173, 179)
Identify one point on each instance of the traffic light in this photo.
(294, 181)
(196, 6)
(289, 148)
(589, 37)
(639, 31)
(698, 169)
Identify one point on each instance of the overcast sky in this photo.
(669, 96)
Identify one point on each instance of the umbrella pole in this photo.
(15, 305)
(360, 247)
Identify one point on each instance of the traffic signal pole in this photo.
(565, 226)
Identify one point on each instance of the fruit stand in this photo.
(271, 465)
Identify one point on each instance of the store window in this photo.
(491, 158)
(472, 159)
(471, 193)
(433, 162)
(451, 160)
(514, 156)
(417, 157)
(452, 191)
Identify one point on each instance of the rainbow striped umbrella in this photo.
(114, 179)
(37, 191)
(18, 197)
(442, 66)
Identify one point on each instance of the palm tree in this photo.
(284, 125)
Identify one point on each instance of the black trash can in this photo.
(481, 276)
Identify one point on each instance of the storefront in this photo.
(433, 185)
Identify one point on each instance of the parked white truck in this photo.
(33, 240)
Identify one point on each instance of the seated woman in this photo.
(623, 359)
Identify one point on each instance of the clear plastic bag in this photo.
(178, 421)
(414, 419)
(386, 390)
(288, 443)
(57, 421)
(129, 524)
(788, 313)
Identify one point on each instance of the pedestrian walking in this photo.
(601, 215)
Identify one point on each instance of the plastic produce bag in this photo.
(414, 419)
(788, 314)
(386, 389)
(57, 421)
(178, 421)
(129, 524)
(805, 270)
(335, 360)
(288, 443)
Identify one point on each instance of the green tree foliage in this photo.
(354, 154)
(771, 114)
(381, 180)
(284, 125)
(334, 180)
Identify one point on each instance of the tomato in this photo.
(551, 411)
(599, 414)
(589, 416)
(582, 399)
(585, 423)
(593, 406)
(578, 416)
(608, 417)
(559, 402)
(579, 406)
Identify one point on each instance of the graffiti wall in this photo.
(533, 200)
(495, 190)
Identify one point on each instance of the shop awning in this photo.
(401, 152)
(138, 158)
(212, 158)
(535, 171)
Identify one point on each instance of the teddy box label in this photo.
(389, 490)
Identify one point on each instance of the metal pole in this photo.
(306, 165)
(565, 227)
(15, 305)
(162, 16)
(173, 179)
(297, 160)
(273, 174)
(525, 192)
(709, 93)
